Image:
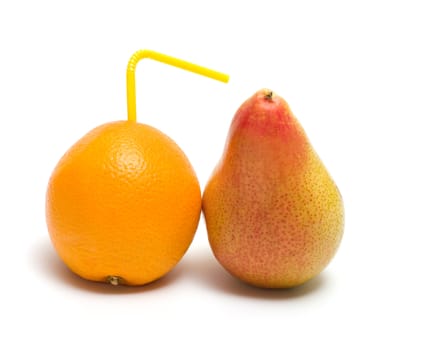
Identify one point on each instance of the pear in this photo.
(274, 216)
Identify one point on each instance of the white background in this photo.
(361, 76)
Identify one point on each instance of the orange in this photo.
(123, 204)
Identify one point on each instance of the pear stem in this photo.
(137, 56)
(268, 94)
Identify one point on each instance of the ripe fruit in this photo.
(274, 215)
(123, 204)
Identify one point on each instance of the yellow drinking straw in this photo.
(137, 56)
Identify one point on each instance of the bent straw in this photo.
(137, 56)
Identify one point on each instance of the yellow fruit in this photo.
(123, 204)
(273, 213)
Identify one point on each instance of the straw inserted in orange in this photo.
(137, 56)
